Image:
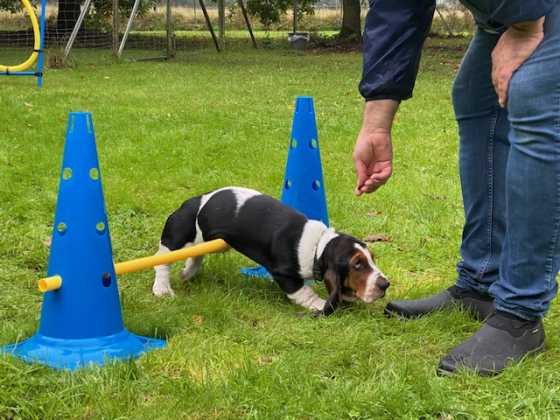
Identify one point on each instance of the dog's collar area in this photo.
(317, 270)
(328, 235)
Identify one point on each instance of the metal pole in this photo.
(128, 27)
(247, 22)
(295, 15)
(209, 24)
(169, 31)
(116, 29)
(43, 29)
(77, 27)
(222, 21)
(20, 73)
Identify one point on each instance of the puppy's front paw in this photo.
(327, 310)
(162, 290)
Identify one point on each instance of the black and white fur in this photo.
(290, 246)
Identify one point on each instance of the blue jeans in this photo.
(510, 176)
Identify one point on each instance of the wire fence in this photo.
(162, 28)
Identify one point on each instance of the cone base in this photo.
(72, 354)
(258, 272)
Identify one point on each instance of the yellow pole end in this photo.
(49, 284)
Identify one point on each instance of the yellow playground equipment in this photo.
(37, 53)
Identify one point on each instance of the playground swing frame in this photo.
(37, 55)
(119, 42)
(170, 29)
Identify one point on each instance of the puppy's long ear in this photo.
(334, 286)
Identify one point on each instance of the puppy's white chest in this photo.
(307, 247)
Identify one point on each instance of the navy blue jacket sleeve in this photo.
(508, 12)
(393, 37)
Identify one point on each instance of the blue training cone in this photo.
(303, 187)
(81, 322)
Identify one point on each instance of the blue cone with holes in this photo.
(81, 322)
(303, 187)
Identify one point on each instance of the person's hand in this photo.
(373, 159)
(515, 46)
(373, 152)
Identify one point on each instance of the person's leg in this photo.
(483, 129)
(531, 254)
(483, 133)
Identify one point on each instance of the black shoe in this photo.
(481, 306)
(502, 340)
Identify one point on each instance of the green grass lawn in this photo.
(237, 348)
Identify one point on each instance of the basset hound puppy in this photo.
(291, 247)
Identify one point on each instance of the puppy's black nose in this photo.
(383, 283)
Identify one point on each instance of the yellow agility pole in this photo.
(36, 45)
(49, 283)
(217, 245)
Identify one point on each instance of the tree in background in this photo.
(69, 11)
(351, 20)
(11, 5)
(269, 11)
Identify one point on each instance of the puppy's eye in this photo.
(358, 266)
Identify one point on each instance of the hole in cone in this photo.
(106, 279)
(94, 174)
(100, 227)
(67, 174)
(61, 228)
